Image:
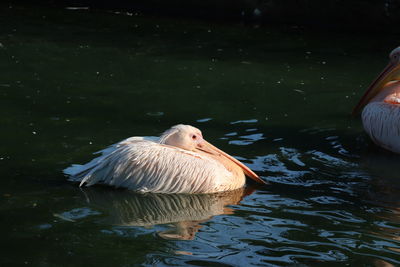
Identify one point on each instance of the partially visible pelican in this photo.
(179, 161)
(381, 103)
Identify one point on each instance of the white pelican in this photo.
(381, 103)
(179, 161)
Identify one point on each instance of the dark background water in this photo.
(277, 97)
(366, 15)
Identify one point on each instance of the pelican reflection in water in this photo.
(184, 211)
(179, 161)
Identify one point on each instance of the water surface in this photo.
(278, 98)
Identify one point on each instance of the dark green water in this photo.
(74, 82)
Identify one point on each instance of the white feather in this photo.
(382, 123)
(143, 165)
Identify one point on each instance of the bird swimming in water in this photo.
(179, 161)
(380, 106)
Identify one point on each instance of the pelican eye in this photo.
(194, 137)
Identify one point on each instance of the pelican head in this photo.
(183, 136)
(389, 75)
(190, 138)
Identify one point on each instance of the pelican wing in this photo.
(77, 171)
(147, 166)
(381, 122)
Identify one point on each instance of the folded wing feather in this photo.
(143, 165)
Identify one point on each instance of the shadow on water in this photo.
(384, 183)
